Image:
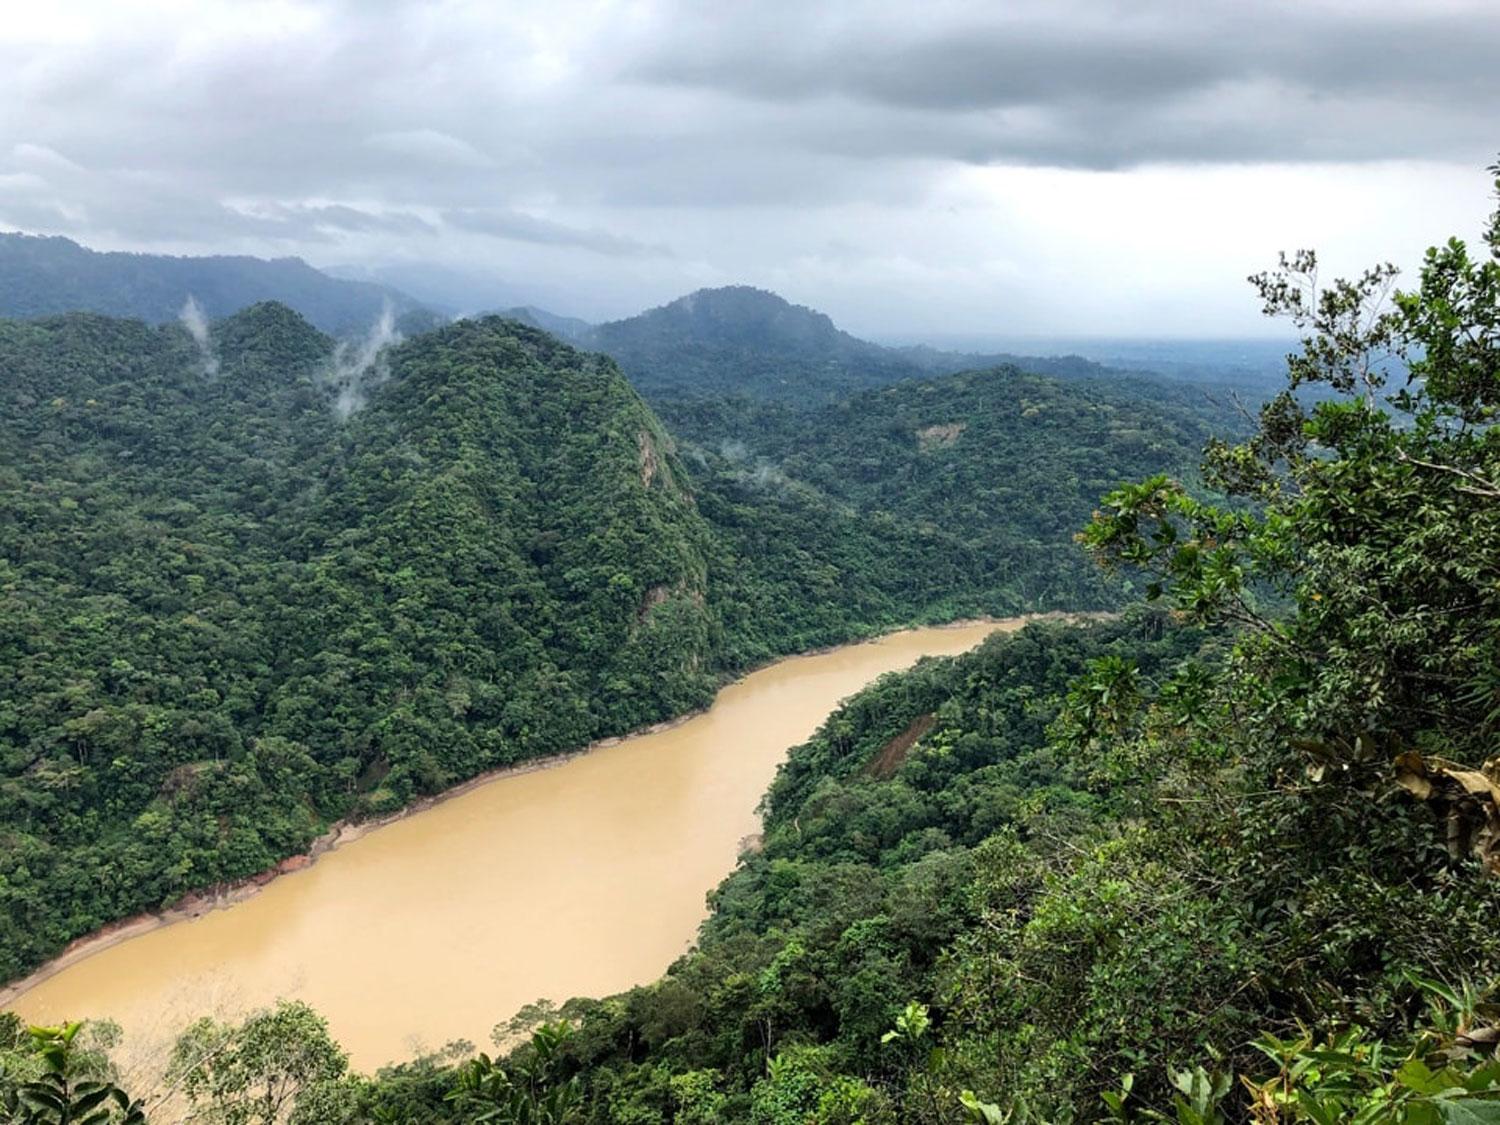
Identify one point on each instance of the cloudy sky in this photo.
(1010, 167)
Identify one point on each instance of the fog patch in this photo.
(357, 368)
(761, 474)
(734, 451)
(764, 475)
(191, 318)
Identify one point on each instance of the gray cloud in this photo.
(431, 147)
(613, 155)
(1108, 84)
(518, 225)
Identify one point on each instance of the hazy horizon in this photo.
(1079, 169)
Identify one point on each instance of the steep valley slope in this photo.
(248, 590)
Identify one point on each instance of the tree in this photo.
(531, 1088)
(255, 1073)
(1367, 503)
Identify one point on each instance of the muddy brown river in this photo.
(582, 879)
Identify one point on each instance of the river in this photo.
(579, 880)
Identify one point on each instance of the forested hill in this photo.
(1231, 860)
(739, 341)
(47, 276)
(946, 496)
(746, 341)
(252, 584)
(227, 617)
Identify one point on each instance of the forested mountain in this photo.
(1230, 859)
(260, 581)
(46, 276)
(741, 340)
(252, 585)
(229, 617)
(1053, 880)
(959, 495)
(941, 361)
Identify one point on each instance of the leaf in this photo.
(43, 1098)
(1475, 783)
(1418, 1076)
(1411, 775)
(1316, 1110)
(87, 1100)
(981, 1111)
(1470, 1111)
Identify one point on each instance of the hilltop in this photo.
(742, 341)
(233, 617)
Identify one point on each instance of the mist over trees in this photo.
(319, 580)
(49, 276)
(1228, 855)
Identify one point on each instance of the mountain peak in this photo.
(743, 340)
(742, 308)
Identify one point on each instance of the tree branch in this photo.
(1478, 486)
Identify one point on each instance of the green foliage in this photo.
(949, 496)
(857, 902)
(1448, 1073)
(911, 1027)
(227, 619)
(259, 1071)
(531, 1088)
(1141, 850)
(739, 342)
(61, 1086)
(991, 886)
(1374, 515)
(1361, 573)
(742, 341)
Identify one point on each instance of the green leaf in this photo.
(1316, 1110)
(1417, 1075)
(1470, 1111)
(86, 1099)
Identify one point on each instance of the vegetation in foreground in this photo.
(1140, 870)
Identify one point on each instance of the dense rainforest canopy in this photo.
(230, 617)
(746, 341)
(961, 493)
(1228, 858)
(743, 342)
(255, 585)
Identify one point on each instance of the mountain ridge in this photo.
(734, 339)
(259, 616)
(44, 275)
(744, 340)
(239, 611)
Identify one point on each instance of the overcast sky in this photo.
(1060, 167)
